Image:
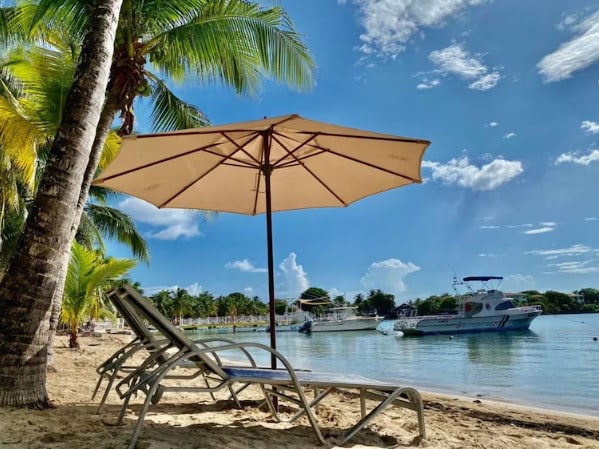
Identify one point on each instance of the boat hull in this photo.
(345, 325)
(460, 325)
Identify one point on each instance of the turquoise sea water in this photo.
(553, 365)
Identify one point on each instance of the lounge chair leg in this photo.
(367, 418)
(119, 421)
(104, 396)
(417, 399)
(362, 403)
(97, 388)
(208, 387)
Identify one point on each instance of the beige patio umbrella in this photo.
(263, 166)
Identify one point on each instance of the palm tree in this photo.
(88, 275)
(18, 140)
(180, 304)
(233, 42)
(163, 301)
(44, 76)
(206, 305)
(38, 270)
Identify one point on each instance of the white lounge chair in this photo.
(286, 383)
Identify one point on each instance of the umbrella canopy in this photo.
(262, 166)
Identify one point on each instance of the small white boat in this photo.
(342, 319)
(483, 310)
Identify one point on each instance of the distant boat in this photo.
(341, 319)
(482, 310)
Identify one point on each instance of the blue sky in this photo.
(506, 91)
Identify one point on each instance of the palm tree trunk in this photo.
(73, 335)
(108, 113)
(27, 290)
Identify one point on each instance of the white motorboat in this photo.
(482, 310)
(341, 319)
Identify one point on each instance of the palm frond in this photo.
(170, 113)
(60, 14)
(111, 149)
(235, 42)
(115, 224)
(88, 234)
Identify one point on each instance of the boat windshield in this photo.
(504, 305)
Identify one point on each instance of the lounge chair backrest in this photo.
(133, 320)
(166, 328)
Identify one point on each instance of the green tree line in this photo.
(179, 303)
(552, 302)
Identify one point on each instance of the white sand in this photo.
(195, 421)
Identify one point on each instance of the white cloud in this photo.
(248, 291)
(574, 250)
(293, 280)
(245, 266)
(578, 53)
(455, 60)
(492, 124)
(168, 224)
(486, 82)
(519, 282)
(538, 231)
(590, 218)
(574, 158)
(575, 267)
(525, 225)
(388, 275)
(548, 223)
(193, 289)
(489, 227)
(428, 84)
(390, 24)
(509, 135)
(590, 127)
(487, 177)
(491, 255)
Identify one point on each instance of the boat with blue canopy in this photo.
(485, 309)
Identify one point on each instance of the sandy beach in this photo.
(196, 421)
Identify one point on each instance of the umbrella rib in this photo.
(300, 162)
(207, 172)
(263, 162)
(321, 150)
(298, 147)
(368, 164)
(352, 136)
(161, 161)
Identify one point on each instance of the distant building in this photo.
(406, 310)
(577, 297)
(520, 297)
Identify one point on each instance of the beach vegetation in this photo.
(236, 43)
(88, 276)
(179, 303)
(42, 76)
(37, 270)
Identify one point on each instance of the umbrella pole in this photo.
(267, 170)
(271, 276)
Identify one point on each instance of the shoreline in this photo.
(573, 411)
(190, 421)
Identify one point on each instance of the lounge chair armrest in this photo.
(120, 357)
(246, 346)
(220, 343)
(139, 378)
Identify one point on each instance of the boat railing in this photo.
(531, 308)
(408, 323)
